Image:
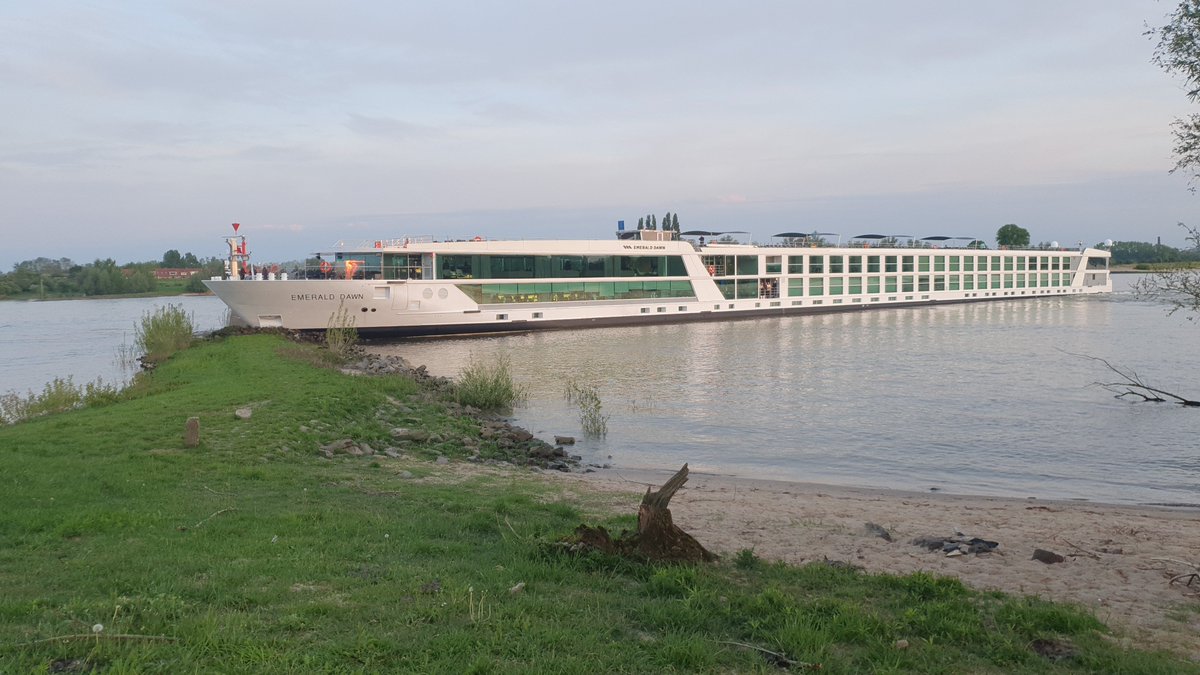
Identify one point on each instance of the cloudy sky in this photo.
(135, 126)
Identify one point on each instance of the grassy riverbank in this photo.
(254, 553)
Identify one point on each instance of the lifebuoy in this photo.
(478, 238)
(379, 244)
(712, 270)
(326, 267)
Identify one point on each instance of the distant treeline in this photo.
(46, 277)
(1134, 252)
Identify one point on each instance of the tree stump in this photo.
(657, 536)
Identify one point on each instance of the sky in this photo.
(131, 127)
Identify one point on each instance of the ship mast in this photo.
(238, 263)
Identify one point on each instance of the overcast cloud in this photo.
(133, 127)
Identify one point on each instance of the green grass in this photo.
(257, 555)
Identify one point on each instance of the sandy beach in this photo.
(1118, 560)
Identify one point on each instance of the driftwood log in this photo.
(657, 536)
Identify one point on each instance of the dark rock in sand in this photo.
(1048, 557)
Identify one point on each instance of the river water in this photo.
(980, 399)
(82, 339)
(974, 398)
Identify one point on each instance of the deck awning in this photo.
(710, 233)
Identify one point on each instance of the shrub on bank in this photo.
(488, 386)
(164, 331)
(59, 395)
(340, 334)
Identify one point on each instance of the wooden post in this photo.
(191, 432)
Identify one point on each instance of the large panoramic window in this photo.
(556, 266)
(572, 291)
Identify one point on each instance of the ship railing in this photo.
(397, 242)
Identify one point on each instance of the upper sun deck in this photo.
(652, 242)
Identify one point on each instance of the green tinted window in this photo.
(747, 264)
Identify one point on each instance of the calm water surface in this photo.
(81, 339)
(976, 399)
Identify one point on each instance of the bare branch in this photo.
(1132, 384)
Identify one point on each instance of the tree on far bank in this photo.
(173, 259)
(1012, 236)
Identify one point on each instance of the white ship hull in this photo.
(655, 281)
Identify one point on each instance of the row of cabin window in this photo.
(920, 283)
(854, 264)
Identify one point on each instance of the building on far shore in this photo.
(166, 273)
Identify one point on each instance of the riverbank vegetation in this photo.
(125, 551)
(488, 385)
(164, 331)
(46, 278)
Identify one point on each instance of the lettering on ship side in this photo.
(310, 297)
(649, 247)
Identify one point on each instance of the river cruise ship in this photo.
(419, 286)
